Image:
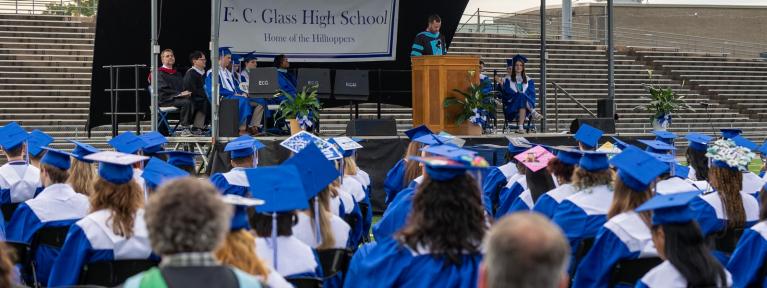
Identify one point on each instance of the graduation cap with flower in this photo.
(724, 153)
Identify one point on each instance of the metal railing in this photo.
(558, 88)
(50, 7)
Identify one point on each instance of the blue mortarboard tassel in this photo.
(274, 239)
(317, 227)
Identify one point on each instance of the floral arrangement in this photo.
(304, 107)
(662, 102)
(725, 151)
(476, 103)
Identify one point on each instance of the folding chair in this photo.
(305, 282)
(8, 210)
(628, 272)
(334, 261)
(113, 273)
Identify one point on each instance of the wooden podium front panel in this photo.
(433, 79)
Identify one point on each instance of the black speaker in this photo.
(371, 127)
(605, 124)
(605, 108)
(229, 118)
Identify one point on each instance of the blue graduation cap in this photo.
(681, 171)
(157, 172)
(449, 151)
(593, 161)
(446, 169)
(127, 142)
(180, 158)
(569, 156)
(763, 149)
(656, 146)
(316, 171)
(347, 146)
(153, 142)
(36, 141)
(12, 135)
(432, 139)
(418, 132)
(518, 145)
(240, 215)
(671, 208)
(82, 149)
(242, 147)
(116, 167)
(588, 135)
(223, 51)
(675, 170)
(665, 136)
(250, 56)
(743, 142)
(698, 142)
(620, 144)
(278, 187)
(637, 169)
(56, 158)
(513, 60)
(728, 133)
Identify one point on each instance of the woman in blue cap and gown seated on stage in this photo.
(36, 214)
(562, 168)
(228, 87)
(115, 228)
(518, 93)
(677, 237)
(403, 173)
(728, 210)
(426, 252)
(582, 214)
(273, 222)
(626, 234)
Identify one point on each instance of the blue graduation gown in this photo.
(367, 219)
(496, 180)
(508, 194)
(228, 89)
(524, 202)
(393, 181)
(582, 215)
(514, 99)
(623, 237)
(90, 240)
(748, 257)
(287, 83)
(712, 218)
(57, 206)
(665, 275)
(19, 182)
(547, 204)
(390, 264)
(395, 216)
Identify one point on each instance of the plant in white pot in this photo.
(475, 103)
(662, 103)
(300, 110)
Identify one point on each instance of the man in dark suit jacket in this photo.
(171, 91)
(194, 82)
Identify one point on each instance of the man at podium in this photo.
(430, 42)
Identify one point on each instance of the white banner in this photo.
(311, 30)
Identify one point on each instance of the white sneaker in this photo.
(536, 116)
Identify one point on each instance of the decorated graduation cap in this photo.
(418, 132)
(724, 153)
(180, 158)
(588, 135)
(347, 146)
(240, 215)
(568, 156)
(82, 149)
(535, 158)
(12, 135)
(619, 143)
(659, 147)
(157, 172)
(153, 142)
(37, 140)
(223, 51)
(513, 60)
(56, 158)
(671, 208)
(745, 143)
(242, 147)
(127, 142)
(728, 133)
(637, 169)
(593, 161)
(697, 141)
(446, 169)
(116, 167)
(518, 145)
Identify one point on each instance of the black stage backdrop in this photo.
(123, 36)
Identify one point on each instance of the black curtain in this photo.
(123, 35)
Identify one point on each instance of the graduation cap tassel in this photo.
(26, 154)
(274, 239)
(317, 231)
(341, 173)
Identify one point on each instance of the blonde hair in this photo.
(123, 200)
(238, 251)
(583, 179)
(412, 168)
(350, 166)
(81, 176)
(326, 232)
(728, 184)
(626, 199)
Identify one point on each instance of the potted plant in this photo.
(662, 103)
(475, 103)
(301, 110)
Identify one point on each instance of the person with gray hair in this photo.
(187, 220)
(524, 250)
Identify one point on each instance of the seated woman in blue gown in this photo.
(626, 235)
(727, 209)
(562, 168)
(688, 261)
(426, 252)
(747, 261)
(518, 93)
(400, 176)
(273, 222)
(115, 228)
(582, 214)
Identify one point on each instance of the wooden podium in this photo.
(434, 78)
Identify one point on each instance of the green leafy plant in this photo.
(302, 106)
(474, 102)
(81, 8)
(662, 101)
